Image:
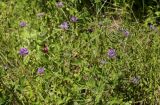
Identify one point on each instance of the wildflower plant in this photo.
(126, 33)
(22, 24)
(59, 4)
(74, 19)
(40, 70)
(23, 51)
(64, 26)
(111, 53)
(87, 60)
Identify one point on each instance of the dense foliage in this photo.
(79, 52)
(140, 9)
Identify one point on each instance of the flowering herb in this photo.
(59, 4)
(64, 26)
(126, 33)
(22, 24)
(151, 26)
(111, 53)
(40, 70)
(23, 51)
(74, 19)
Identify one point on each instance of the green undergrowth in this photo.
(78, 70)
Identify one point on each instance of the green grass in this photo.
(78, 70)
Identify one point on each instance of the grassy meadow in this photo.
(57, 53)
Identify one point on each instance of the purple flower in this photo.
(59, 4)
(40, 70)
(151, 27)
(111, 53)
(74, 19)
(64, 26)
(126, 33)
(22, 24)
(23, 51)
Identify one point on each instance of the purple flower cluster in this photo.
(59, 4)
(74, 19)
(126, 33)
(111, 53)
(23, 51)
(22, 24)
(40, 70)
(151, 26)
(64, 26)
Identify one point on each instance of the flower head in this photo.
(111, 53)
(23, 51)
(40, 70)
(74, 19)
(22, 24)
(64, 26)
(126, 33)
(59, 4)
(151, 26)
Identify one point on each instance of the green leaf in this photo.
(97, 1)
